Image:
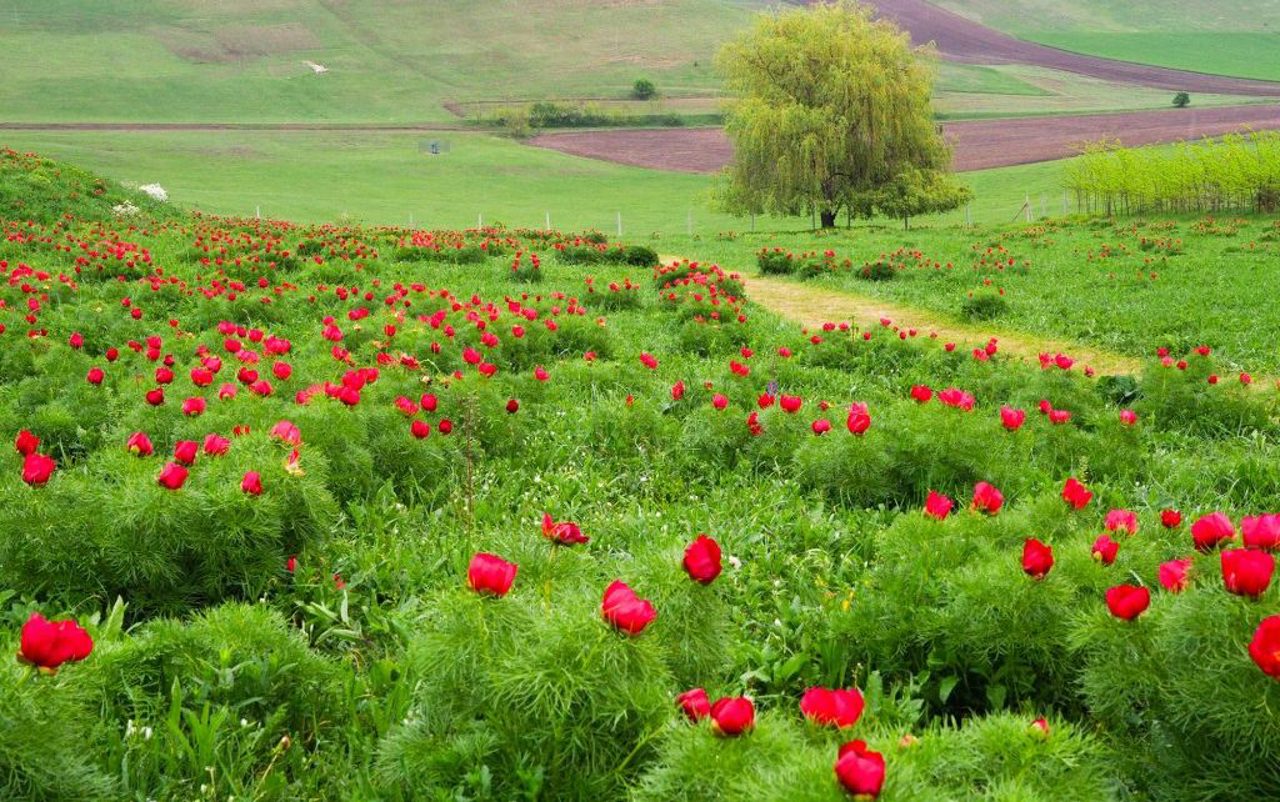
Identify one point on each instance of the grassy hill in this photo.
(384, 60)
(1240, 38)
(39, 189)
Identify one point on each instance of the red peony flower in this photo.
(139, 444)
(859, 419)
(719, 401)
(26, 443)
(921, 393)
(1012, 419)
(1261, 531)
(215, 445)
(790, 403)
(48, 644)
(860, 770)
(839, 708)
(172, 476)
(695, 704)
(95, 376)
(286, 431)
(252, 483)
(565, 533)
(185, 451)
(1121, 521)
(1247, 572)
(820, 426)
(1170, 519)
(1037, 558)
(627, 612)
(489, 573)
(986, 498)
(1212, 530)
(1105, 549)
(37, 468)
(1265, 646)
(702, 560)
(1127, 602)
(1174, 575)
(1076, 494)
(938, 506)
(733, 715)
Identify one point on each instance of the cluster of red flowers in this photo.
(620, 607)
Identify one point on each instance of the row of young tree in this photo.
(1237, 172)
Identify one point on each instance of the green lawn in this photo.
(384, 178)
(1237, 38)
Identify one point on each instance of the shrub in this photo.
(879, 270)
(643, 89)
(983, 306)
(775, 262)
(992, 758)
(164, 550)
(545, 695)
(48, 735)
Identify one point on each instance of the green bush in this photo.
(49, 735)
(543, 695)
(983, 306)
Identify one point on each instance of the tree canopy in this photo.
(832, 113)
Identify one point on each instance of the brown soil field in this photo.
(960, 39)
(979, 144)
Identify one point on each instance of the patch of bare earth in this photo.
(978, 144)
(961, 39)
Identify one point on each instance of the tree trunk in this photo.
(828, 218)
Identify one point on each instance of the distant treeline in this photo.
(1237, 172)
(546, 114)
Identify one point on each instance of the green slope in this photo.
(386, 60)
(1237, 38)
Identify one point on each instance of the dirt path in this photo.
(813, 306)
(960, 39)
(978, 144)
(371, 128)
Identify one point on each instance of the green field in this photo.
(1219, 38)
(397, 62)
(385, 178)
(1127, 286)
(185, 60)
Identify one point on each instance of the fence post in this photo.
(1027, 205)
(480, 220)
(619, 224)
(548, 221)
(968, 214)
(258, 212)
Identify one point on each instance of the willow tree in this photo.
(831, 110)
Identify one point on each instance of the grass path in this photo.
(811, 306)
